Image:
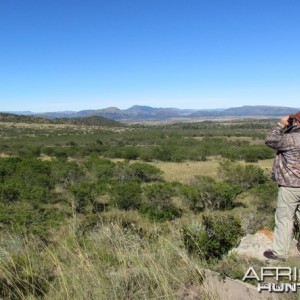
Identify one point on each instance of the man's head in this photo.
(294, 119)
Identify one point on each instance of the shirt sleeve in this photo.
(278, 140)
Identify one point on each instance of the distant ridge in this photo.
(89, 121)
(246, 111)
(148, 113)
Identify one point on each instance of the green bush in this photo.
(213, 238)
(66, 173)
(162, 153)
(34, 172)
(124, 173)
(159, 193)
(205, 192)
(23, 217)
(8, 167)
(157, 204)
(102, 169)
(83, 195)
(126, 195)
(9, 191)
(131, 153)
(146, 155)
(146, 172)
(35, 195)
(194, 197)
(28, 180)
(245, 177)
(265, 196)
(222, 195)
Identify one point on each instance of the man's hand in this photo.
(283, 121)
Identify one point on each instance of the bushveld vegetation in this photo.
(84, 213)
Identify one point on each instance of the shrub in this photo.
(213, 238)
(245, 177)
(123, 172)
(8, 167)
(159, 193)
(166, 213)
(162, 153)
(147, 155)
(71, 143)
(35, 195)
(66, 173)
(145, 172)
(158, 204)
(222, 195)
(131, 153)
(265, 196)
(22, 217)
(34, 172)
(61, 153)
(83, 195)
(205, 192)
(126, 195)
(102, 169)
(193, 195)
(9, 192)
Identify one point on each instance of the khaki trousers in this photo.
(286, 211)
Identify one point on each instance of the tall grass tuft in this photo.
(109, 262)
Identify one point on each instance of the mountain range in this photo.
(147, 113)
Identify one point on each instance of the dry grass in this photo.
(266, 165)
(185, 171)
(110, 263)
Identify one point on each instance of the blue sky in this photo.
(73, 55)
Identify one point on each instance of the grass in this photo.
(266, 165)
(122, 256)
(185, 171)
(112, 262)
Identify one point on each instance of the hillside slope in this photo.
(89, 121)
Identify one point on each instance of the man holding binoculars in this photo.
(285, 138)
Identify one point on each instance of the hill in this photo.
(248, 111)
(88, 121)
(147, 113)
(135, 112)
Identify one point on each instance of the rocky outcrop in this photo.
(254, 245)
(225, 289)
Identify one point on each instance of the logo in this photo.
(286, 279)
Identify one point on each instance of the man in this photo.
(285, 138)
